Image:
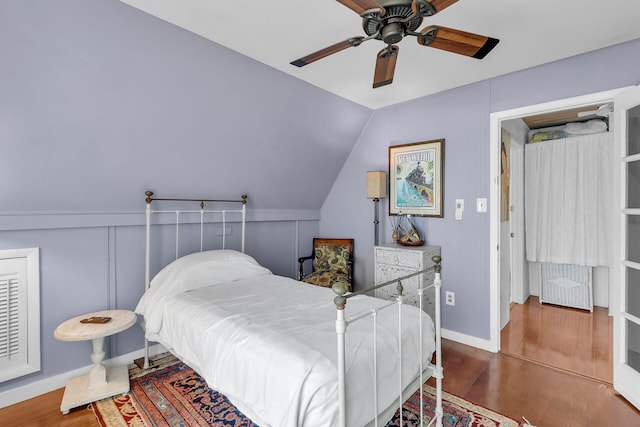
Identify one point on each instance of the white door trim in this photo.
(516, 224)
(625, 378)
(494, 193)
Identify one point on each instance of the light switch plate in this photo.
(459, 208)
(481, 205)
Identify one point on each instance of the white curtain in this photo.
(568, 200)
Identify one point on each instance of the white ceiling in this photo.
(278, 32)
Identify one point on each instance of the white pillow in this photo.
(192, 272)
(206, 268)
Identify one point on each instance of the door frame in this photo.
(516, 226)
(625, 378)
(494, 194)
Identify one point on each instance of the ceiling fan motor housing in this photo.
(392, 33)
(392, 26)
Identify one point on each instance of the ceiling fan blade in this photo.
(360, 6)
(440, 5)
(457, 41)
(430, 7)
(334, 48)
(385, 66)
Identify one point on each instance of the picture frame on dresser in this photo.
(416, 178)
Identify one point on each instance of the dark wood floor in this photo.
(574, 340)
(546, 397)
(512, 386)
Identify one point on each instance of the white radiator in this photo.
(566, 284)
(19, 313)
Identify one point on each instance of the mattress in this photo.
(269, 343)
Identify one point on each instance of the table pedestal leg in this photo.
(98, 373)
(101, 382)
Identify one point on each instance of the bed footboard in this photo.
(404, 391)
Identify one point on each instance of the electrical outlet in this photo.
(450, 298)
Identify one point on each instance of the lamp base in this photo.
(376, 222)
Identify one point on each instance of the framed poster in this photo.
(415, 178)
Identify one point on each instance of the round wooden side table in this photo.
(101, 382)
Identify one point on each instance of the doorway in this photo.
(501, 293)
(559, 336)
(624, 279)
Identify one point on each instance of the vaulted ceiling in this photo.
(276, 33)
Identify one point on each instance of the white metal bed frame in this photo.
(435, 370)
(340, 289)
(202, 211)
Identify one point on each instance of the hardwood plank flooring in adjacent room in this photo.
(514, 387)
(574, 340)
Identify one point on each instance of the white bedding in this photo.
(269, 342)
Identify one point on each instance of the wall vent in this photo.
(19, 313)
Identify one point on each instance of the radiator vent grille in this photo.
(9, 316)
(19, 313)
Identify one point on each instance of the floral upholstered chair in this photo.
(332, 262)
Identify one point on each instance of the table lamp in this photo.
(376, 190)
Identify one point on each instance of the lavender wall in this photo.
(461, 117)
(100, 102)
(456, 117)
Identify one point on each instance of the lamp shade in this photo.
(376, 185)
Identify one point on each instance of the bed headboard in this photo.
(191, 206)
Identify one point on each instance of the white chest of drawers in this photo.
(393, 261)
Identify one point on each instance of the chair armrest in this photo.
(301, 261)
(304, 258)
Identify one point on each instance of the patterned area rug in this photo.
(170, 393)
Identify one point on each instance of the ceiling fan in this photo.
(392, 20)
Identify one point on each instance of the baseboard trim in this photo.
(55, 382)
(468, 340)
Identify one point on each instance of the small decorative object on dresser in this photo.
(408, 234)
(393, 261)
(101, 382)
